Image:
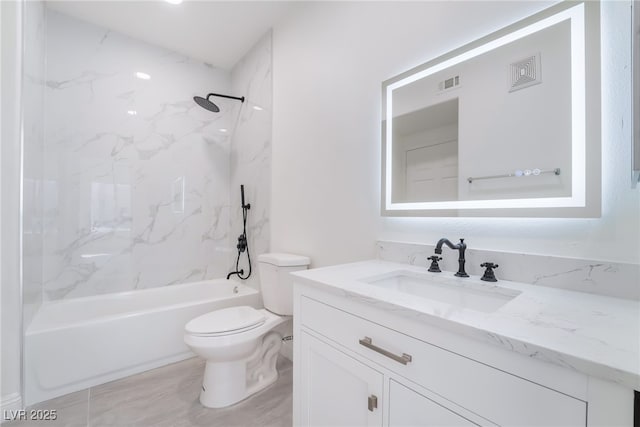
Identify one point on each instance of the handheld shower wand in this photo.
(242, 241)
(242, 198)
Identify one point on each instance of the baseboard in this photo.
(11, 402)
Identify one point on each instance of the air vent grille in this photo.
(526, 72)
(448, 84)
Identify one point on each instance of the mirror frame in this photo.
(585, 200)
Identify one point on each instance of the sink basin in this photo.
(469, 295)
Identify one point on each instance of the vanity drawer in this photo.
(489, 392)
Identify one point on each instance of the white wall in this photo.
(329, 62)
(11, 312)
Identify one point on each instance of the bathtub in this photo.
(79, 343)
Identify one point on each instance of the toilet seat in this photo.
(227, 321)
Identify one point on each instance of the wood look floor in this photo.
(168, 396)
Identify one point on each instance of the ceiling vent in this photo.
(526, 72)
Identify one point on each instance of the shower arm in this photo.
(239, 98)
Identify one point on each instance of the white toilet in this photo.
(239, 343)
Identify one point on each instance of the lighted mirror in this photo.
(508, 125)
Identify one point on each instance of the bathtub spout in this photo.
(238, 273)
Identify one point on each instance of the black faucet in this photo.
(461, 247)
(239, 273)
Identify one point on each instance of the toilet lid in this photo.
(225, 321)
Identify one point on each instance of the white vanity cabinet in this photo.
(408, 407)
(356, 365)
(337, 389)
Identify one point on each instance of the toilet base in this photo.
(227, 383)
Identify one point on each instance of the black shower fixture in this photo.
(242, 245)
(208, 105)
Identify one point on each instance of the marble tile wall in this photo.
(621, 280)
(33, 147)
(137, 176)
(251, 151)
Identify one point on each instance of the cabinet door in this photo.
(409, 408)
(336, 389)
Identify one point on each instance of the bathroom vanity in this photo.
(381, 343)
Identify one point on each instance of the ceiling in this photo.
(216, 32)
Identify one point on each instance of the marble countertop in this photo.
(592, 334)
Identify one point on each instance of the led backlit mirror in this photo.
(508, 125)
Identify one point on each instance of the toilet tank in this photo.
(275, 282)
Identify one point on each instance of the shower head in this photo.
(208, 105)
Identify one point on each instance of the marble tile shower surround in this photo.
(33, 143)
(620, 280)
(251, 151)
(137, 177)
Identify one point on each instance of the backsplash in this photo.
(607, 278)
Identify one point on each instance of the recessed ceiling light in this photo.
(174, 1)
(258, 108)
(223, 130)
(132, 112)
(143, 76)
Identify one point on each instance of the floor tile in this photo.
(71, 411)
(168, 397)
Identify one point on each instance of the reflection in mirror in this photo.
(507, 119)
(425, 153)
(496, 124)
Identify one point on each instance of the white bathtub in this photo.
(79, 343)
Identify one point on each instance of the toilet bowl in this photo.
(239, 344)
